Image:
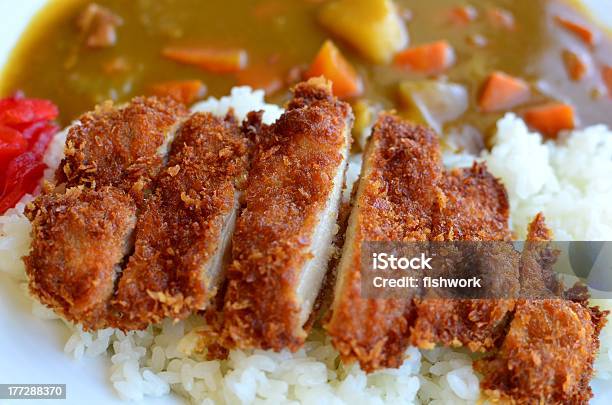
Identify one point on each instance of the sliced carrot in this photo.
(584, 33)
(502, 92)
(261, 77)
(463, 15)
(606, 75)
(501, 18)
(330, 63)
(185, 91)
(430, 59)
(549, 119)
(211, 59)
(575, 66)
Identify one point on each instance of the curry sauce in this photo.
(281, 38)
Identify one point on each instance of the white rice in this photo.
(566, 181)
(569, 181)
(242, 100)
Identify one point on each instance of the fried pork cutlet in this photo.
(538, 280)
(79, 241)
(122, 147)
(404, 195)
(473, 207)
(548, 352)
(395, 196)
(183, 235)
(110, 153)
(283, 236)
(478, 322)
(547, 355)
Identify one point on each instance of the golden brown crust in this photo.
(79, 241)
(405, 195)
(548, 351)
(547, 355)
(397, 190)
(478, 324)
(538, 231)
(181, 226)
(473, 206)
(119, 146)
(538, 280)
(289, 183)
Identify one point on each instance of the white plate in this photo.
(31, 350)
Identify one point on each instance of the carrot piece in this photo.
(330, 63)
(501, 18)
(211, 59)
(463, 15)
(184, 91)
(584, 33)
(430, 59)
(260, 77)
(606, 75)
(502, 92)
(549, 119)
(575, 66)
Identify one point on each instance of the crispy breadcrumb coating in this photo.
(175, 268)
(290, 183)
(548, 352)
(121, 147)
(181, 228)
(396, 193)
(79, 241)
(537, 278)
(405, 195)
(537, 230)
(473, 206)
(547, 355)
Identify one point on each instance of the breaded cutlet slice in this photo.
(283, 236)
(548, 352)
(183, 234)
(538, 279)
(546, 356)
(473, 206)
(123, 147)
(396, 193)
(79, 241)
(116, 151)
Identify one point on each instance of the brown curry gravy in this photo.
(281, 37)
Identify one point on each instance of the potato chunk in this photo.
(372, 27)
(433, 102)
